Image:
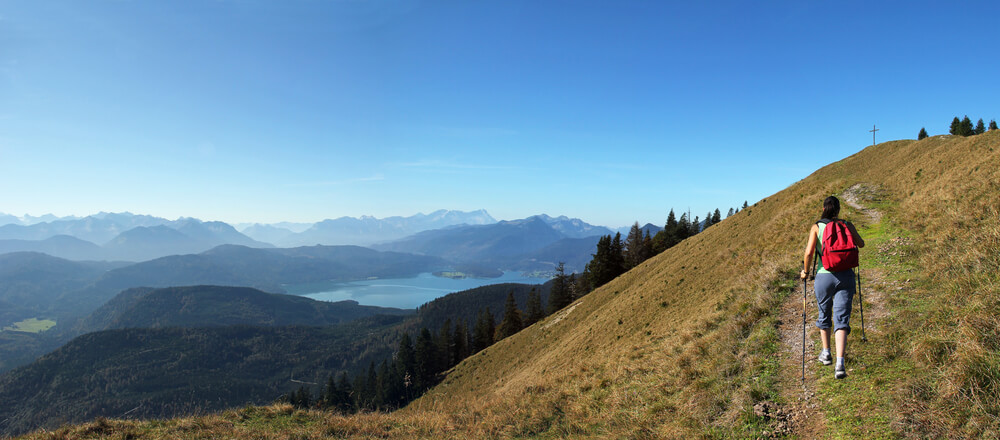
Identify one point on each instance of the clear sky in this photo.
(610, 111)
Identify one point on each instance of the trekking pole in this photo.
(805, 281)
(861, 305)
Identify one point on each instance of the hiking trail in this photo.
(801, 415)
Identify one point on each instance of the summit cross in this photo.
(873, 130)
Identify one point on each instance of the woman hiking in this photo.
(834, 290)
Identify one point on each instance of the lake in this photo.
(404, 293)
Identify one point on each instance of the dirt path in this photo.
(801, 415)
(802, 408)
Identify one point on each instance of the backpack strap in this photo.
(819, 240)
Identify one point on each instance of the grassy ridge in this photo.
(684, 345)
(689, 333)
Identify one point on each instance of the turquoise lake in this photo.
(404, 293)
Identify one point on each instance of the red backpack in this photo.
(837, 249)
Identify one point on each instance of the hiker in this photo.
(834, 290)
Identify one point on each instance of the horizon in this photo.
(259, 112)
(237, 225)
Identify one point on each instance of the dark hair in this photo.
(831, 207)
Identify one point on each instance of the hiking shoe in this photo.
(840, 372)
(825, 358)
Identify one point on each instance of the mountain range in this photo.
(473, 238)
(124, 237)
(130, 237)
(365, 230)
(535, 243)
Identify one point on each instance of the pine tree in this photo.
(730, 213)
(695, 227)
(482, 332)
(993, 125)
(446, 349)
(584, 285)
(461, 341)
(343, 394)
(617, 255)
(358, 387)
(683, 228)
(406, 360)
(385, 394)
(329, 397)
(534, 312)
(671, 226)
(302, 398)
(956, 126)
(980, 127)
(599, 265)
(666, 238)
(647, 247)
(716, 216)
(745, 205)
(511, 322)
(574, 294)
(922, 135)
(965, 128)
(607, 264)
(635, 252)
(371, 388)
(559, 294)
(425, 356)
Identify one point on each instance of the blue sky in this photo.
(610, 111)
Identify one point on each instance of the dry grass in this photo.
(684, 345)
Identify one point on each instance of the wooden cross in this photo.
(873, 130)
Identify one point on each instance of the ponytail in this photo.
(831, 207)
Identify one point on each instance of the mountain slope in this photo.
(685, 345)
(222, 367)
(30, 282)
(170, 371)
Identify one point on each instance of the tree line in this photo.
(615, 257)
(963, 127)
(419, 362)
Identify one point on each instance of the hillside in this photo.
(30, 282)
(174, 371)
(184, 360)
(686, 345)
(212, 306)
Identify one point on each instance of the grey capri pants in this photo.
(834, 296)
